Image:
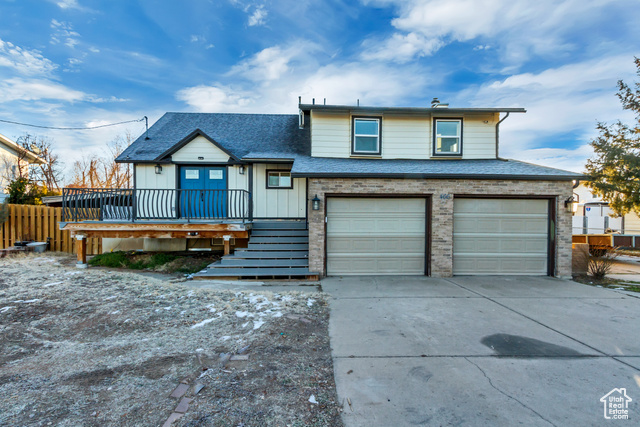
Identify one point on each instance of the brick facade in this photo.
(442, 212)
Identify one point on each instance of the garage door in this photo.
(375, 236)
(500, 236)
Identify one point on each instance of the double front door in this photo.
(203, 191)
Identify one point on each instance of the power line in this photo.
(85, 128)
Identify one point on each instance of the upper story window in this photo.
(279, 179)
(366, 136)
(447, 138)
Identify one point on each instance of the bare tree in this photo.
(49, 172)
(102, 171)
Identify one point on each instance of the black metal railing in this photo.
(106, 204)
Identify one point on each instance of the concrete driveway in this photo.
(481, 350)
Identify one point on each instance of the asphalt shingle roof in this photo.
(446, 168)
(239, 134)
(277, 136)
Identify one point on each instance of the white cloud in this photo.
(17, 89)
(258, 16)
(63, 33)
(274, 62)
(68, 4)
(520, 27)
(216, 98)
(401, 48)
(24, 61)
(562, 103)
(276, 76)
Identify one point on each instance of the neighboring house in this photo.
(12, 159)
(346, 190)
(592, 215)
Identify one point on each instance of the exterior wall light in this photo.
(315, 203)
(241, 170)
(158, 169)
(568, 204)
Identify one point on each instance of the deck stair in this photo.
(276, 250)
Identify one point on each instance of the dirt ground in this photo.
(97, 347)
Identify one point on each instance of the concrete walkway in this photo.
(481, 350)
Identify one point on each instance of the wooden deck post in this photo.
(81, 250)
(227, 244)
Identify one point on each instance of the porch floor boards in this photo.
(276, 250)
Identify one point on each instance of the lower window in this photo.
(279, 179)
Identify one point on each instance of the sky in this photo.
(82, 63)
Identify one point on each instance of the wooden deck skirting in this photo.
(83, 230)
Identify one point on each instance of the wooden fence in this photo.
(28, 222)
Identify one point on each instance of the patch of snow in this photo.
(310, 302)
(51, 284)
(244, 325)
(115, 312)
(313, 400)
(277, 314)
(204, 322)
(5, 309)
(243, 314)
(199, 350)
(286, 298)
(259, 301)
(26, 301)
(257, 324)
(210, 307)
(225, 338)
(127, 321)
(111, 297)
(168, 308)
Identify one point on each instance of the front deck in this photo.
(279, 249)
(155, 213)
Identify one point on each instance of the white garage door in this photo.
(375, 236)
(500, 236)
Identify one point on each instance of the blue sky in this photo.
(74, 63)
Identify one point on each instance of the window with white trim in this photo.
(366, 136)
(447, 138)
(279, 179)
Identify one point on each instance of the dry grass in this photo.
(94, 347)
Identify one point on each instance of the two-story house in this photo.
(339, 190)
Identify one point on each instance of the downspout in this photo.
(498, 135)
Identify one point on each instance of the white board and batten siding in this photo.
(277, 203)
(403, 136)
(200, 147)
(500, 236)
(382, 236)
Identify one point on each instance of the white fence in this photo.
(596, 224)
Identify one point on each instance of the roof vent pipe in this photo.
(435, 102)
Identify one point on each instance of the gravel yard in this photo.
(99, 347)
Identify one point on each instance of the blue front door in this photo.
(204, 192)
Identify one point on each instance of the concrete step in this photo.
(245, 254)
(279, 225)
(278, 246)
(278, 233)
(268, 263)
(278, 239)
(257, 272)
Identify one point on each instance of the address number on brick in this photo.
(445, 196)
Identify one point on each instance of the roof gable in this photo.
(201, 142)
(236, 134)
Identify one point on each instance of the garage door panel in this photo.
(500, 236)
(388, 266)
(376, 236)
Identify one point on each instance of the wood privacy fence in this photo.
(28, 222)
